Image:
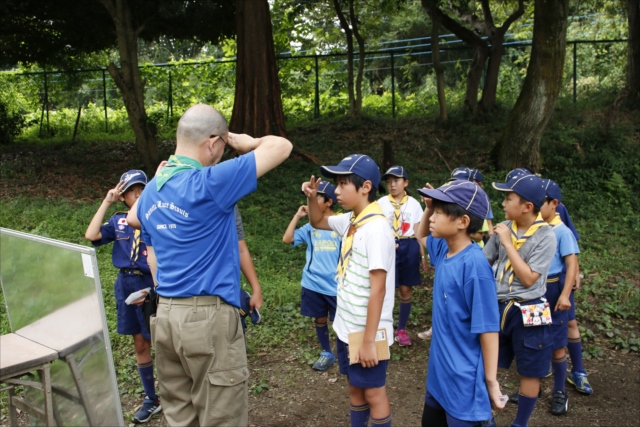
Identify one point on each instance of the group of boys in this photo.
(518, 305)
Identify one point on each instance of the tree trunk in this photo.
(130, 83)
(349, 34)
(354, 24)
(481, 51)
(257, 107)
(435, 55)
(519, 145)
(633, 59)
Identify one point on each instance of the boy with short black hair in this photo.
(130, 256)
(319, 285)
(523, 247)
(366, 282)
(560, 280)
(462, 383)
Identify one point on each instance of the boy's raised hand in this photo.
(113, 195)
(310, 189)
(302, 211)
(503, 233)
(427, 200)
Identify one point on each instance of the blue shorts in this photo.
(315, 304)
(532, 346)
(130, 317)
(571, 313)
(408, 262)
(451, 420)
(560, 318)
(358, 376)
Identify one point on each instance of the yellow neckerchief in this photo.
(397, 214)
(368, 214)
(556, 220)
(508, 268)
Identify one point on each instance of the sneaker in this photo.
(579, 379)
(149, 409)
(245, 297)
(426, 335)
(326, 359)
(559, 403)
(402, 338)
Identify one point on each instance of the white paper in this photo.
(87, 265)
(136, 295)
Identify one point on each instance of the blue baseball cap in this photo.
(529, 187)
(464, 194)
(552, 189)
(517, 172)
(357, 164)
(132, 177)
(329, 190)
(461, 173)
(475, 175)
(397, 171)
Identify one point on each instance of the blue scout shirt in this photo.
(191, 225)
(117, 230)
(323, 247)
(567, 245)
(465, 305)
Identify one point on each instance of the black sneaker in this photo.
(559, 403)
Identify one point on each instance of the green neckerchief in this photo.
(175, 165)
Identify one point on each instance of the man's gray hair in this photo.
(198, 123)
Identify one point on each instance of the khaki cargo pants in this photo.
(202, 362)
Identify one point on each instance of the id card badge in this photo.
(535, 314)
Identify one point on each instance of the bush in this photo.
(11, 124)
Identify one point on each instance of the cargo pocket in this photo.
(229, 377)
(541, 340)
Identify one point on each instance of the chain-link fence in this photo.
(396, 82)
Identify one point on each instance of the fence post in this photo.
(45, 104)
(316, 105)
(104, 100)
(575, 74)
(169, 100)
(393, 88)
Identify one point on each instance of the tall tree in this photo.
(633, 58)
(55, 32)
(257, 108)
(519, 145)
(437, 66)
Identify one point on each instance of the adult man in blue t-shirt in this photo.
(188, 224)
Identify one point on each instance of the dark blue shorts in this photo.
(571, 313)
(532, 346)
(560, 318)
(130, 317)
(451, 420)
(358, 376)
(315, 304)
(408, 263)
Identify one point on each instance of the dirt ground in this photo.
(298, 396)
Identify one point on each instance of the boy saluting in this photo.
(366, 281)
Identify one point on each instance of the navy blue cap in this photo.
(245, 298)
(475, 175)
(552, 189)
(529, 187)
(327, 188)
(132, 177)
(461, 173)
(356, 164)
(397, 171)
(517, 172)
(464, 194)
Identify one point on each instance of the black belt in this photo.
(131, 271)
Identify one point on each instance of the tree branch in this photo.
(488, 17)
(513, 17)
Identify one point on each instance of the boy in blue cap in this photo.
(462, 383)
(366, 282)
(130, 256)
(319, 284)
(560, 281)
(523, 247)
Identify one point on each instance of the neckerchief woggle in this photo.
(397, 213)
(174, 166)
(518, 242)
(371, 212)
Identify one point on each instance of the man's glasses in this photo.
(224, 142)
